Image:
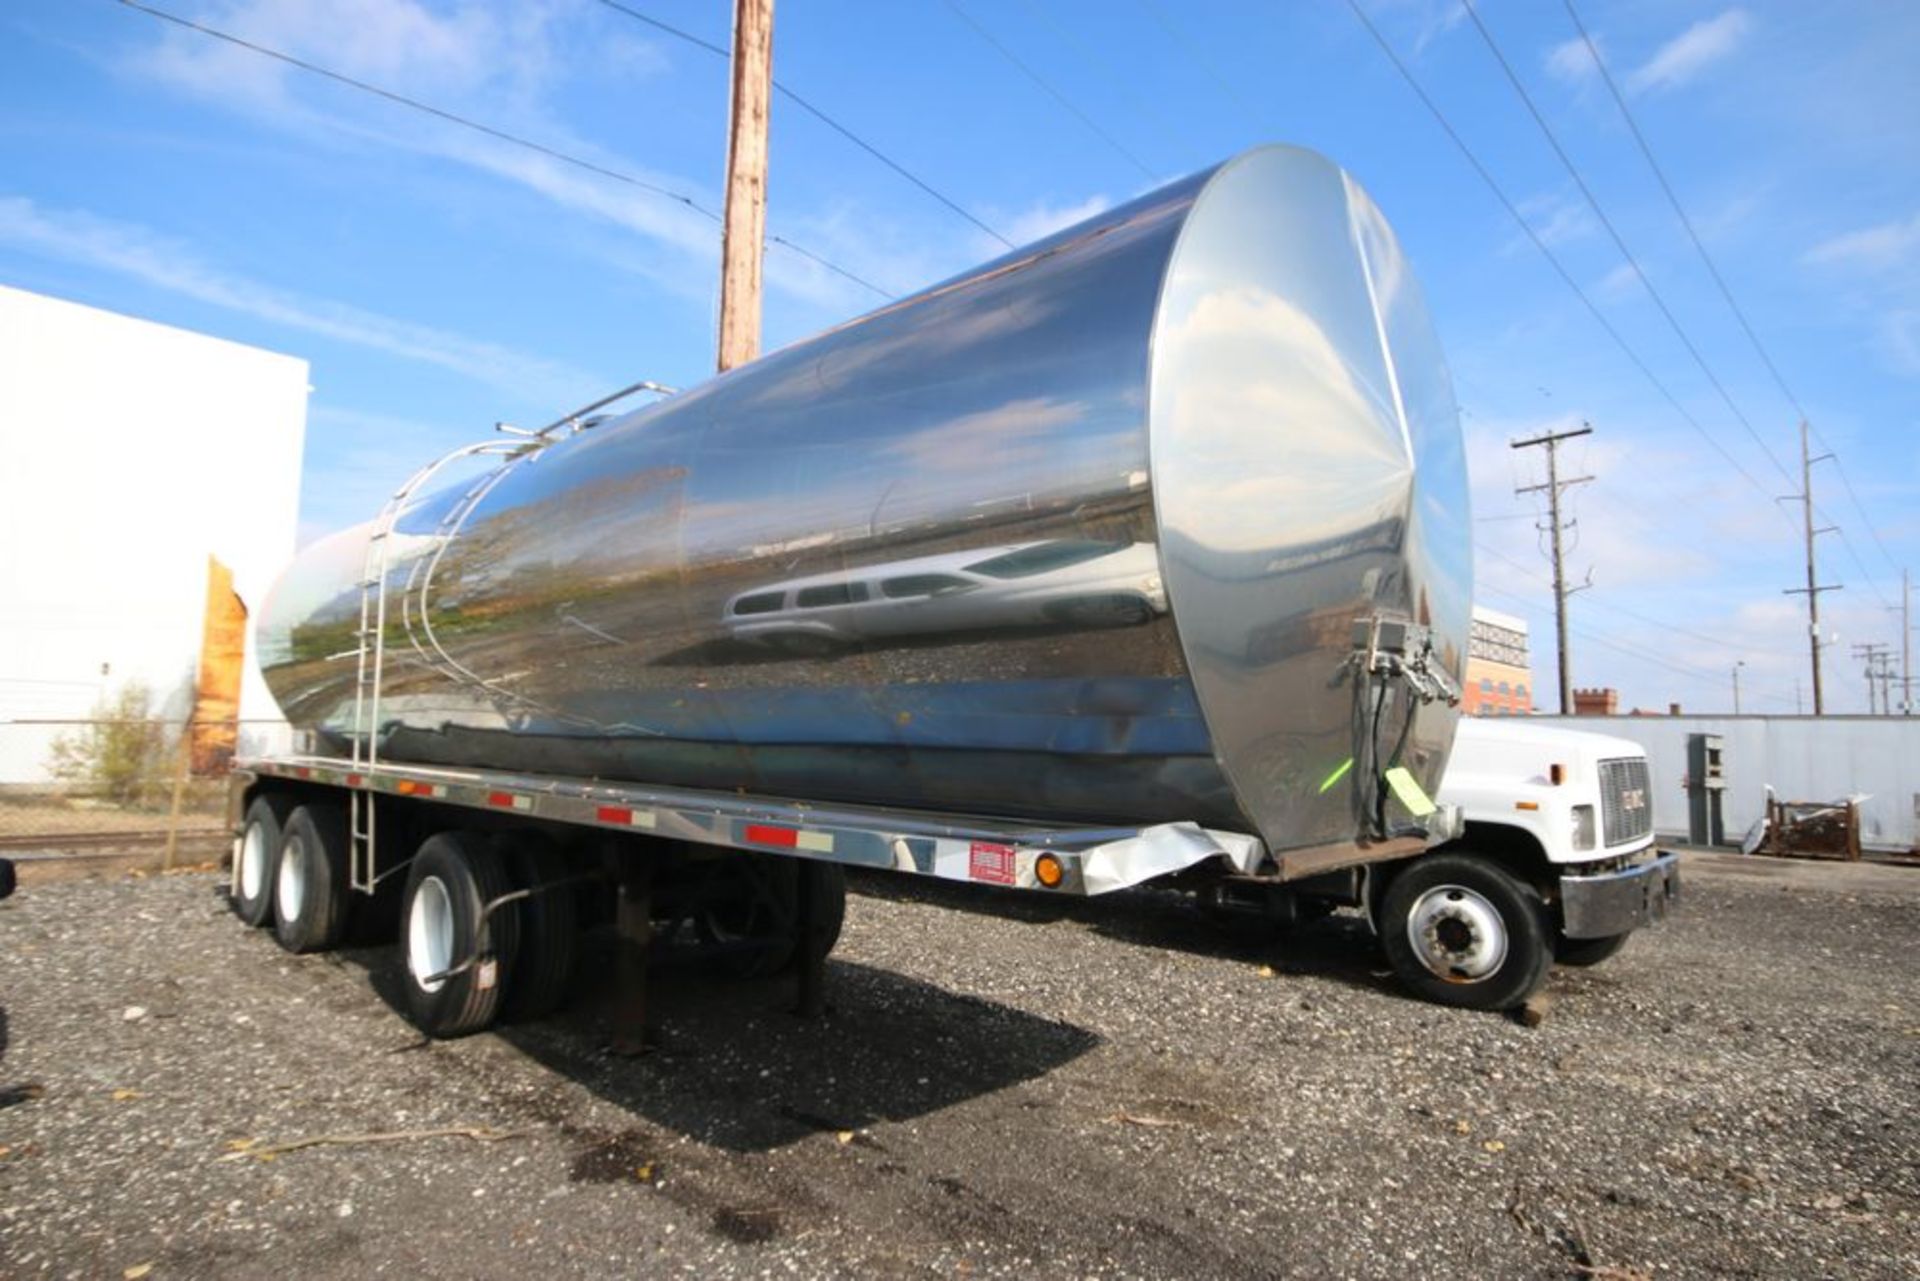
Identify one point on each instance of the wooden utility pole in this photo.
(1560, 593)
(1813, 588)
(743, 236)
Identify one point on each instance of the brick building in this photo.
(1499, 674)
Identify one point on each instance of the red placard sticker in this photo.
(992, 863)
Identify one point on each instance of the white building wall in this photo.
(1803, 758)
(131, 451)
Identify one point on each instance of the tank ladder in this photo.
(371, 650)
(371, 637)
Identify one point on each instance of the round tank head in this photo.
(1308, 473)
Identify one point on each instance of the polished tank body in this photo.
(1079, 535)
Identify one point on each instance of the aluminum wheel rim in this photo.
(430, 934)
(253, 862)
(290, 888)
(1457, 934)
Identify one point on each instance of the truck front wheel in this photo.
(1460, 930)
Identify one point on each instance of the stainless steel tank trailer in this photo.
(1140, 553)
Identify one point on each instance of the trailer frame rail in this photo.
(1021, 854)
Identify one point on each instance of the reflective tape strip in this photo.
(761, 834)
(625, 817)
(818, 842)
(355, 780)
(509, 801)
(413, 787)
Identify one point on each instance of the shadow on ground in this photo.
(731, 1065)
(1339, 948)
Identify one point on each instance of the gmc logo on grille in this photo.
(1633, 798)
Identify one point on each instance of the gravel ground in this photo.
(1000, 1088)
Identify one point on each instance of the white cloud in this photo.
(1043, 219)
(1619, 284)
(493, 64)
(1887, 245)
(1556, 219)
(1570, 61)
(1687, 54)
(129, 250)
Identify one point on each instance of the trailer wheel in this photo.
(452, 879)
(1460, 930)
(756, 921)
(310, 880)
(549, 928)
(254, 864)
(1584, 952)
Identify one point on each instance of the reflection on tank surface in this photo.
(1079, 534)
(1064, 583)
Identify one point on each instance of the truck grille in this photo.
(1626, 804)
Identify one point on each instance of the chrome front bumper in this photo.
(1593, 907)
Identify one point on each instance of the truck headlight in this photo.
(1583, 827)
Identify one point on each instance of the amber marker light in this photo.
(1049, 871)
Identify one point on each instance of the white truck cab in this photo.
(1555, 862)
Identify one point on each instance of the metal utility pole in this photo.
(1813, 587)
(1906, 644)
(1738, 664)
(1560, 593)
(1876, 655)
(743, 234)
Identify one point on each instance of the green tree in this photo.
(120, 752)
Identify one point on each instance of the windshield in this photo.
(1041, 557)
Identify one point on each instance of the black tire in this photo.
(827, 882)
(1485, 930)
(310, 879)
(452, 878)
(806, 645)
(250, 890)
(1584, 952)
(1105, 611)
(549, 928)
(760, 905)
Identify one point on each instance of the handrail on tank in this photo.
(545, 433)
(363, 741)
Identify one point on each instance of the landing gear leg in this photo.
(634, 926)
(813, 927)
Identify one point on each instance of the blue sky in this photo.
(439, 280)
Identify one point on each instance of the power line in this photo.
(825, 119)
(1713, 270)
(1105, 65)
(490, 131)
(1050, 91)
(1553, 259)
(1622, 647)
(1601, 602)
(1619, 242)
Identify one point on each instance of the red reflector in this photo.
(761, 835)
(354, 780)
(613, 814)
(303, 771)
(502, 799)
